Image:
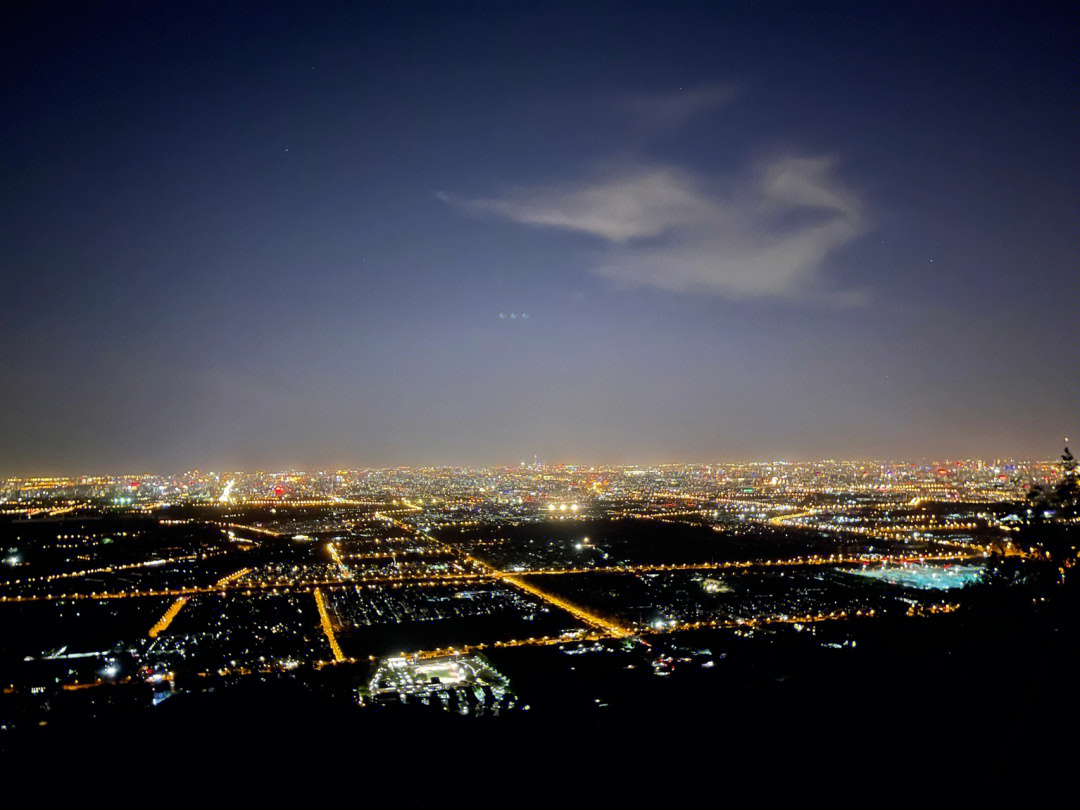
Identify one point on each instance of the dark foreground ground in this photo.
(878, 753)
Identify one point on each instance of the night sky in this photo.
(262, 238)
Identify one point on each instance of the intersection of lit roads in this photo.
(472, 570)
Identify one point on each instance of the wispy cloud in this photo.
(764, 231)
(768, 236)
(635, 202)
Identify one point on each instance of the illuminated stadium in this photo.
(444, 671)
(405, 675)
(925, 577)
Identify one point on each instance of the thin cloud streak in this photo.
(763, 234)
(636, 203)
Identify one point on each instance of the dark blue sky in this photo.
(260, 237)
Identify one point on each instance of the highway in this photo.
(513, 578)
(578, 612)
(667, 629)
(170, 614)
(327, 626)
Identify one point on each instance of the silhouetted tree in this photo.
(1062, 498)
(1068, 491)
(1051, 512)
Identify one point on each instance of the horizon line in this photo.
(527, 465)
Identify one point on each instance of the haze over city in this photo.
(589, 233)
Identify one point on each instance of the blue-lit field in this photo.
(925, 576)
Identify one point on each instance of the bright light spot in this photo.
(227, 493)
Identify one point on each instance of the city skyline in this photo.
(1050, 460)
(471, 234)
